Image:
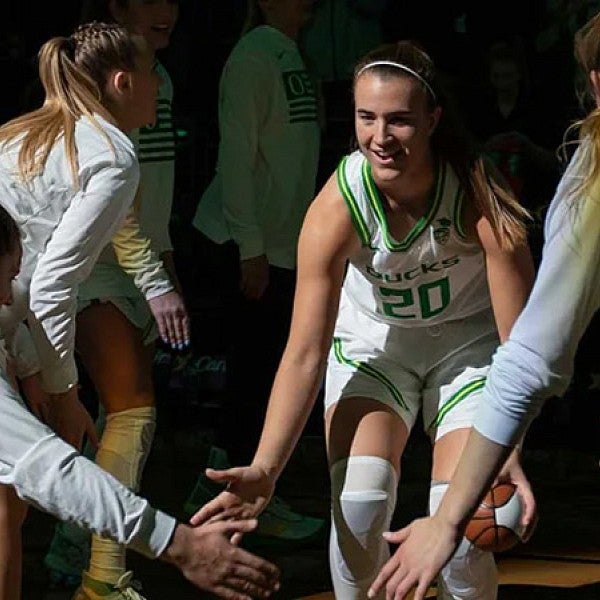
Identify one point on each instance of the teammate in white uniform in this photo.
(248, 223)
(69, 177)
(70, 197)
(116, 331)
(537, 360)
(407, 257)
(48, 472)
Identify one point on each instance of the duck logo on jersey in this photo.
(441, 233)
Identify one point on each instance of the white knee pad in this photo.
(471, 573)
(363, 491)
(126, 443)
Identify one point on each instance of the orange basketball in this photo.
(496, 524)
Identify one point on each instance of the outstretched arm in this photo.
(326, 240)
(50, 474)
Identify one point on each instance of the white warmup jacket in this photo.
(155, 148)
(63, 229)
(63, 232)
(537, 360)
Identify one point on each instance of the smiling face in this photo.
(154, 19)
(393, 124)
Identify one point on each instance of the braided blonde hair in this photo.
(74, 71)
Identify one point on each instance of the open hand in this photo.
(425, 546)
(172, 319)
(248, 491)
(208, 559)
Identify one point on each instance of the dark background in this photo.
(206, 32)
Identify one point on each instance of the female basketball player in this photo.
(69, 177)
(116, 331)
(413, 263)
(536, 362)
(48, 472)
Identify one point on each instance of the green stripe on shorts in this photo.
(457, 398)
(368, 370)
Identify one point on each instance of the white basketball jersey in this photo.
(433, 275)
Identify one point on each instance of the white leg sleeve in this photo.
(363, 492)
(471, 573)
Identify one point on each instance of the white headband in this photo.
(389, 63)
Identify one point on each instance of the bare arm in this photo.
(510, 277)
(326, 241)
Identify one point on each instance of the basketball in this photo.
(496, 524)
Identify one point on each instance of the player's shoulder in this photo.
(99, 138)
(264, 45)
(351, 164)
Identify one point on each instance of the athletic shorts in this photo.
(135, 309)
(109, 283)
(441, 369)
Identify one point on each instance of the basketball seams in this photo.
(486, 529)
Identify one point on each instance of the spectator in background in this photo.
(338, 34)
(436, 26)
(555, 69)
(248, 222)
(504, 116)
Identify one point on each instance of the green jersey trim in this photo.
(369, 371)
(376, 202)
(457, 398)
(459, 213)
(157, 142)
(357, 218)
